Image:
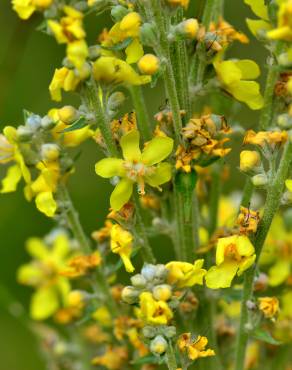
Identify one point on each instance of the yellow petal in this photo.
(247, 92)
(37, 249)
(127, 263)
(46, 203)
(134, 51)
(221, 276)
(245, 264)
(249, 69)
(288, 184)
(61, 247)
(161, 175)
(11, 180)
(44, 303)
(109, 167)
(157, 150)
(244, 246)
(279, 273)
(259, 8)
(121, 194)
(228, 72)
(130, 146)
(23, 8)
(256, 25)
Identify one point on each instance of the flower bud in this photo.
(161, 272)
(94, 52)
(118, 12)
(287, 215)
(148, 271)
(116, 100)
(47, 123)
(162, 292)
(287, 197)
(148, 64)
(84, 71)
(76, 299)
(249, 160)
(130, 295)
(50, 152)
(24, 133)
(149, 332)
(138, 281)
(34, 122)
(67, 114)
(170, 331)
(285, 121)
(148, 34)
(259, 180)
(42, 3)
(158, 345)
(188, 28)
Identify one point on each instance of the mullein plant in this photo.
(222, 301)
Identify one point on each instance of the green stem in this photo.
(146, 249)
(247, 193)
(272, 77)
(214, 199)
(102, 121)
(143, 119)
(154, 6)
(74, 224)
(271, 206)
(170, 357)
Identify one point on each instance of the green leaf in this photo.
(265, 336)
(120, 46)
(77, 125)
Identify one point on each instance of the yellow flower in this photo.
(148, 64)
(184, 274)
(249, 160)
(111, 70)
(248, 220)
(122, 244)
(236, 76)
(183, 3)
(25, 8)
(269, 306)
(82, 265)
(10, 152)
(114, 358)
(234, 255)
(194, 349)
(130, 24)
(264, 138)
(137, 167)
(66, 79)
(42, 273)
(103, 316)
(69, 139)
(152, 311)
(284, 29)
(44, 187)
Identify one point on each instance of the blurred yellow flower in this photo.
(25, 8)
(122, 244)
(184, 274)
(284, 27)
(269, 306)
(152, 311)
(194, 348)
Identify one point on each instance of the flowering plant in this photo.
(223, 300)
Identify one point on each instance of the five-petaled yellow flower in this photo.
(152, 311)
(137, 167)
(42, 273)
(234, 255)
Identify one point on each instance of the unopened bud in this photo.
(158, 345)
(260, 180)
(250, 305)
(47, 123)
(188, 28)
(170, 331)
(138, 281)
(249, 160)
(148, 34)
(285, 121)
(67, 114)
(162, 292)
(34, 122)
(50, 152)
(148, 64)
(161, 272)
(94, 52)
(149, 332)
(24, 133)
(76, 299)
(118, 12)
(116, 100)
(130, 295)
(148, 271)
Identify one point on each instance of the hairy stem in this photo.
(170, 358)
(143, 119)
(74, 224)
(271, 207)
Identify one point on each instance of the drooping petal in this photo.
(109, 167)
(249, 69)
(127, 262)
(157, 150)
(121, 194)
(46, 203)
(244, 246)
(11, 180)
(61, 247)
(161, 175)
(221, 276)
(228, 72)
(134, 51)
(247, 92)
(130, 146)
(44, 303)
(279, 273)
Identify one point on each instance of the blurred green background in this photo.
(27, 62)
